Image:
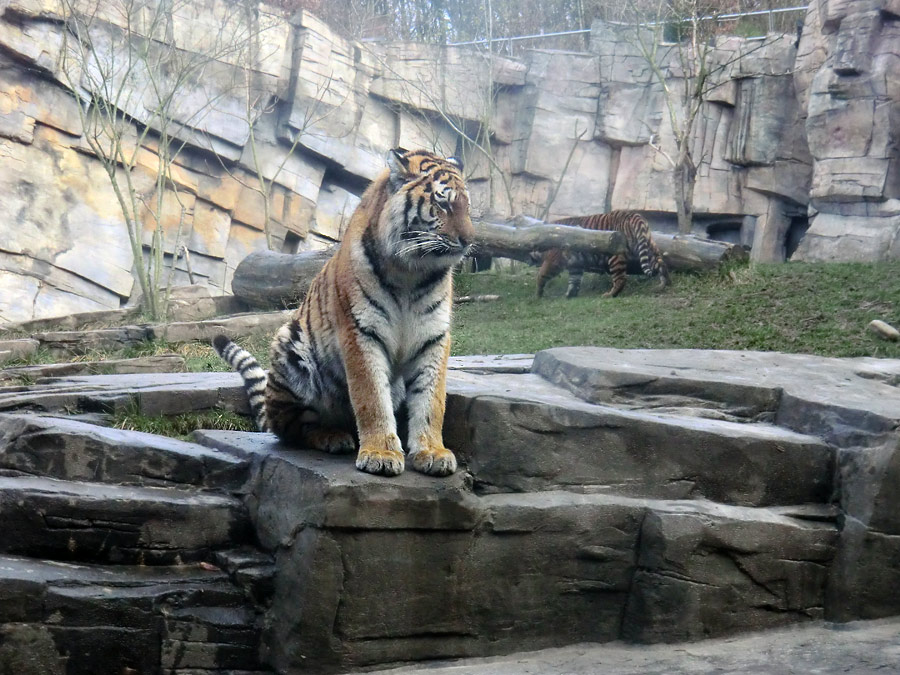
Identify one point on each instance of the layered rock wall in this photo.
(789, 135)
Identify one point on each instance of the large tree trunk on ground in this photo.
(528, 234)
(277, 280)
(684, 252)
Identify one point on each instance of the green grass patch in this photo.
(181, 426)
(817, 308)
(793, 307)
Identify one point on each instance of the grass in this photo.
(801, 308)
(794, 307)
(821, 308)
(181, 426)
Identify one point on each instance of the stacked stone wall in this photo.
(795, 133)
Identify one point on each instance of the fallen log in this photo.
(687, 253)
(517, 241)
(267, 279)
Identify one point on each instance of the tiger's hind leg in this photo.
(294, 396)
(299, 425)
(618, 266)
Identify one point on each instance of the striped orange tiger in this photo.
(373, 331)
(641, 248)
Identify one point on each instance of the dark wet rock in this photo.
(603, 494)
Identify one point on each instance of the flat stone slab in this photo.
(860, 647)
(327, 491)
(619, 501)
(518, 432)
(861, 394)
(17, 349)
(78, 342)
(75, 451)
(49, 518)
(164, 363)
(151, 393)
(96, 618)
(232, 326)
(77, 321)
(574, 566)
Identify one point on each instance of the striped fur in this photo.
(641, 248)
(253, 375)
(373, 331)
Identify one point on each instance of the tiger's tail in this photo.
(252, 373)
(653, 263)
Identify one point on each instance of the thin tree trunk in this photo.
(685, 176)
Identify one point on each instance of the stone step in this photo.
(518, 432)
(79, 342)
(488, 574)
(17, 349)
(67, 520)
(71, 450)
(150, 393)
(123, 619)
(163, 363)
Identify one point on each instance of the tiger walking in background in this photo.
(640, 247)
(373, 331)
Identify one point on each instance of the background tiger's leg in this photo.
(367, 370)
(618, 265)
(551, 267)
(426, 393)
(576, 272)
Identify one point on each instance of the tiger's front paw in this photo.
(435, 460)
(381, 456)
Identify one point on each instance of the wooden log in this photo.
(267, 279)
(684, 252)
(517, 241)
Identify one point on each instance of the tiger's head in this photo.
(428, 209)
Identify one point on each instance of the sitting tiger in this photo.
(373, 331)
(640, 247)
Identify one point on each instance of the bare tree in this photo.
(121, 60)
(677, 40)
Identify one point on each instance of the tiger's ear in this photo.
(455, 161)
(398, 163)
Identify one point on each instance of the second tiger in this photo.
(640, 248)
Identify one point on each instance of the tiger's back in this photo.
(373, 331)
(640, 247)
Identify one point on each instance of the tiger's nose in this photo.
(464, 241)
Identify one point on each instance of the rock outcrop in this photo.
(651, 496)
(788, 135)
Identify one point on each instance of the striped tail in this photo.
(253, 375)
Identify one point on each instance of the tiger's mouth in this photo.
(419, 244)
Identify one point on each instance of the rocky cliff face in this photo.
(848, 84)
(791, 135)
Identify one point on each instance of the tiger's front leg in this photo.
(426, 396)
(368, 382)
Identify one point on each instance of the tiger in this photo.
(640, 246)
(374, 329)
